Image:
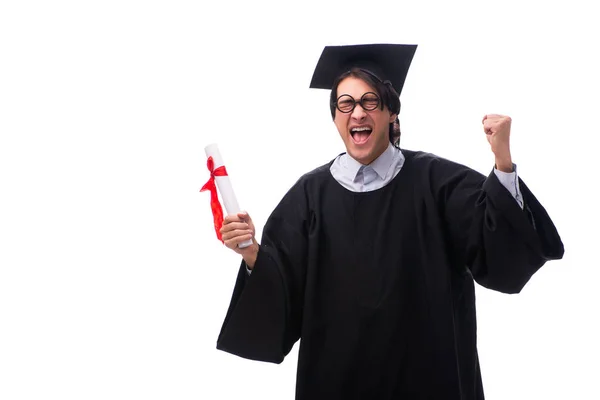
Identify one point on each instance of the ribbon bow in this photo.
(217, 210)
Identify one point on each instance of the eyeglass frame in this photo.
(354, 102)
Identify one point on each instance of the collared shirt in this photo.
(364, 178)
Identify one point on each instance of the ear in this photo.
(393, 118)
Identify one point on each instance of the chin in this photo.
(364, 157)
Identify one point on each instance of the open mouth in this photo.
(360, 134)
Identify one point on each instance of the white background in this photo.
(112, 283)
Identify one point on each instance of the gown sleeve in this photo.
(264, 317)
(501, 244)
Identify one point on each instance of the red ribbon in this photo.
(217, 210)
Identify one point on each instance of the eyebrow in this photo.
(348, 94)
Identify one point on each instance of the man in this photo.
(370, 259)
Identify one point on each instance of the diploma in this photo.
(224, 184)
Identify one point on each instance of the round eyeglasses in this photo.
(346, 103)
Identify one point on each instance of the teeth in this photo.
(360, 129)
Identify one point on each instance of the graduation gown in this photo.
(379, 286)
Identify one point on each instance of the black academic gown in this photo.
(379, 285)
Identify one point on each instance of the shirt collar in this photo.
(381, 165)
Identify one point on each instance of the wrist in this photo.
(504, 164)
(250, 255)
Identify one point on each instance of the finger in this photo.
(495, 125)
(245, 217)
(231, 218)
(233, 226)
(230, 233)
(489, 117)
(234, 242)
(493, 122)
(241, 239)
(488, 127)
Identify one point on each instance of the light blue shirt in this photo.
(364, 178)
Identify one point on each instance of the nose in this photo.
(358, 113)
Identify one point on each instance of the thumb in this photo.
(244, 216)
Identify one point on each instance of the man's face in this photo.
(365, 133)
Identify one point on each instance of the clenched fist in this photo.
(497, 130)
(238, 228)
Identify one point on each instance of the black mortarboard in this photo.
(385, 61)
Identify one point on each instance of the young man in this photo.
(370, 259)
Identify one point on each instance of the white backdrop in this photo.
(112, 283)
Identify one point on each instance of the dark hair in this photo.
(385, 91)
(395, 133)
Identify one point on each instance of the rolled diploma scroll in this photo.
(224, 186)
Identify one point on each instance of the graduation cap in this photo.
(385, 61)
